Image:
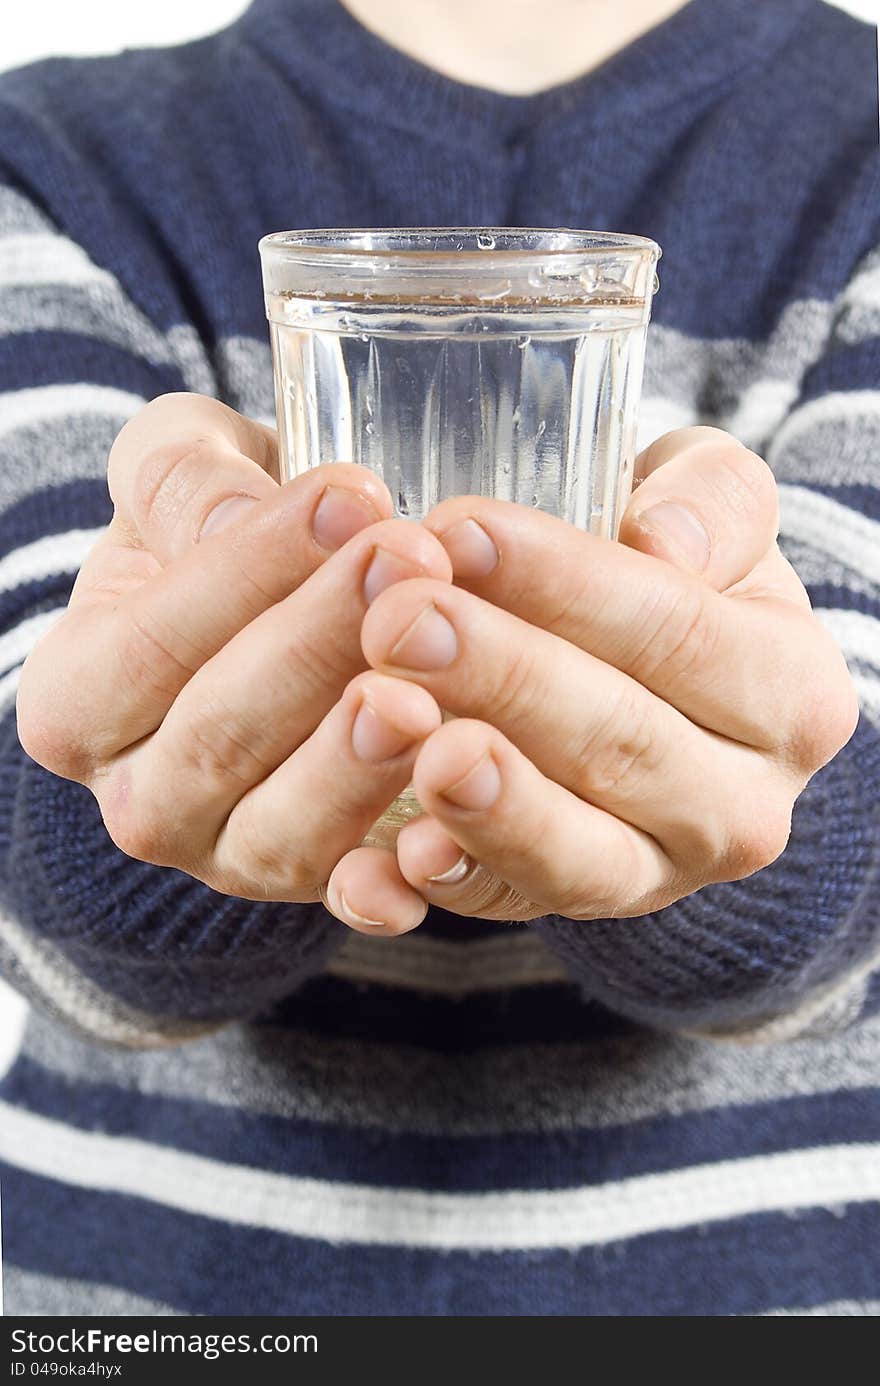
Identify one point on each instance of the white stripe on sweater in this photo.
(29, 260)
(838, 405)
(813, 518)
(760, 410)
(47, 557)
(17, 643)
(497, 1221)
(13, 1014)
(857, 634)
(863, 290)
(9, 687)
(21, 408)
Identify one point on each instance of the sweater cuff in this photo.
(151, 937)
(746, 951)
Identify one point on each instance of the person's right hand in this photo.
(207, 681)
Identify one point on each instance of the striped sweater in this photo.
(209, 1105)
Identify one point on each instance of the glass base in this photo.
(385, 829)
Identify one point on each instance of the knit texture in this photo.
(343, 1143)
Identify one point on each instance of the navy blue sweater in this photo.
(473, 1115)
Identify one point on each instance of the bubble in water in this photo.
(505, 467)
(534, 500)
(369, 429)
(542, 429)
(485, 241)
(515, 417)
(363, 337)
(402, 503)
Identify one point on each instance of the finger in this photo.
(248, 708)
(707, 505)
(284, 838)
(540, 849)
(367, 892)
(704, 652)
(592, 729)
(186, 465)
(107, 674)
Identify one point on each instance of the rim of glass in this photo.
(329, 243)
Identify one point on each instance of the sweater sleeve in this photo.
(121, 951)
(794, 948)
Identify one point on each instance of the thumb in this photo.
(706, 505)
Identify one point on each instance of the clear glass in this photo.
(493, 361)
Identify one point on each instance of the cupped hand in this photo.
(633, 720)
(207, 681)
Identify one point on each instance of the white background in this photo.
(41, 28)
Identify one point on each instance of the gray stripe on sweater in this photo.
(104, 312)
(59, 450)
(548, 1087)
(32, 1295)
(50, 981)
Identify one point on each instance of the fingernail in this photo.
(385, 569)
(681, 529)
(471, 551)
(225, 514)
(478, 789)
(352, 917)
(430, 642)
(340, 514)
(455, 873)
(373, 739)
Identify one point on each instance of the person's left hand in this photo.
(635, 719)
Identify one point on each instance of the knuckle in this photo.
(167, 477)
(747, 482)
(512, 699)
(148, 663)
(219, 747)
(136, 828)
(758, 839)
(621, 753)
(42, 732)
(605, 896)
(684, 635)
(826, 716)
(266, 868)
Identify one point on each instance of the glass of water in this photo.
(490, 361)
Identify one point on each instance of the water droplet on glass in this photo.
(369, 429)
(496, 294)
(505, 467)
(542, 429)
(363, 337)
(485, 241)
(534, 500)
(523, 343)
(656, 284)
(402, 504)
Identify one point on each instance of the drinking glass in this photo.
(491, 361)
